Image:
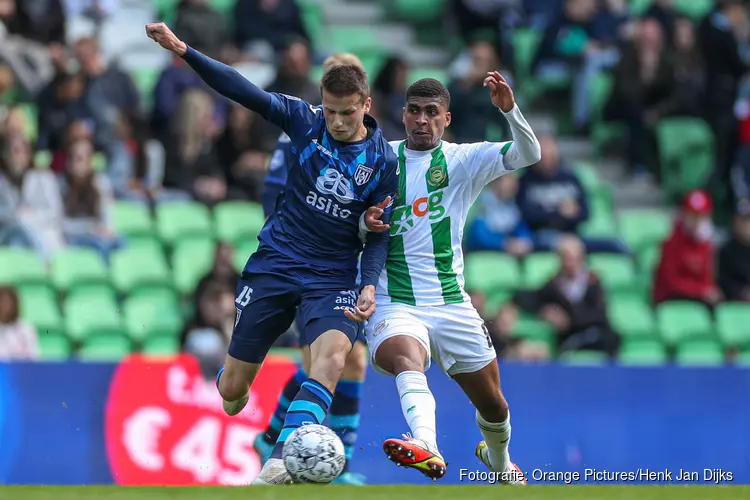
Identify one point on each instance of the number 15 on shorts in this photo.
(244, 296)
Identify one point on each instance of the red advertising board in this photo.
(165, 424)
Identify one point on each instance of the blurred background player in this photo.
(423, 311)
(345, 166)
(343, 416)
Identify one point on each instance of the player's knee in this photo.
(356, 363)
(493, 408)
(401, 354)
(233, 385)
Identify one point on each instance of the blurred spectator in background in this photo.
(87, 202)
(734, 258)
(192, 167)
(498, 223)
(664, 13)
(579, 44)
(719, 34)
(689, 67)
(574, 303)
(388, 90)
(30, 201)
(470, 112)
(509, 347)
(553, 202)
(41, 21)
(207, 335)
(645, 91)
(262, 27)
(128, 169)
(7, 89)
(241, 152)
(496, 18)
(61, 104)
(686, 265)
(200, 26)
(19, 341)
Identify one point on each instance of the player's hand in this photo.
(365, 307)
(161, 34)
(373, 214)
(500, 92)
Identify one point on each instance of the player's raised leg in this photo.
(399, 346)
(493, 419)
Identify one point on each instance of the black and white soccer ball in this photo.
(314, 454)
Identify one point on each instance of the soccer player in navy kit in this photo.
(309, 248)
(343, 416)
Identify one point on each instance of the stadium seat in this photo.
(132, 219)
(83, 291)
(644, 228)
(439, 74)
(699, 353)
(615, 271)
(161, 346)
(686, 154)
(694, 9)
(21, 267)
(733, 324)
(631, 317)
(683, 320)
(352, 38)
(534, 329)
(491, 272)
(647, 259)
(104, 348)
(584, 358)
(76, 266)
(539, 268)
(588, 176)
(151, 315)
(39, 307)
(180, 220)
(191, 260)
(419, 11)
(223, 7)
(87, 316)
(135, 267)
(236, 220)
(53, 347)
(642, 351)
(742, 359)
(525, 44)
(145, 80)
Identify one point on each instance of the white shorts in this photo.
(453, 335)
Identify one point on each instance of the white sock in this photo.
(418, 405)
(497, 437)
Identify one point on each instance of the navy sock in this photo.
(344, 415)
(310, 405)
(290, 391)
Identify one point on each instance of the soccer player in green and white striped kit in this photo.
(423, 310)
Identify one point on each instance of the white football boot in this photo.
(273, 473)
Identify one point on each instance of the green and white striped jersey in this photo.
(425, 262)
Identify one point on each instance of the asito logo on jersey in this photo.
(362, 174)
(333, 183)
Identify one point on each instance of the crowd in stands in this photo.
(80, 138)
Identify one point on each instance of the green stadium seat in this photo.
(616, 271)
(584, 358)
(643, 228)
(39, 307)
(631, 317)
(742, 359)
(145, 80)
(21, 267)
(161, 346)
(588, 176)
(87, 316)
(223, 7)
(686, 154)
(75, 266)
(733, 324)
(191, 260)
(151, 316)
(699, 353)
(313, 18)
(679, 321)
(53, 347)
(105, 348)
(439, 74)
(419, 11)
(694, 9)
(236, 220)
(83, 291)
(180, 220)
(491, 272)
(525, 43)
(31, 112)
(601, 222)
(539, 268)
(352, 38)
(132, 219)
(648, 258)
(535, 329)
(643, 352)
(135, 267)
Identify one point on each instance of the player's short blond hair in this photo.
(342, 58)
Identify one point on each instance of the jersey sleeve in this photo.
(293, 115)
(486, 161)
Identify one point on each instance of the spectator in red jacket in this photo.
(686, 265)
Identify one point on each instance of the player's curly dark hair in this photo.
(345, 80)
(429, 87)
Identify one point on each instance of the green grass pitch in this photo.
(436, 492)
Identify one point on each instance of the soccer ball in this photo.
(314, 454)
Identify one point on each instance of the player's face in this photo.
(425, 119)
(344, 115)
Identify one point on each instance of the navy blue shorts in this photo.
(299, 323)
(274, 289)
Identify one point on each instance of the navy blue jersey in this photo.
(277, 174)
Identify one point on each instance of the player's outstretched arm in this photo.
(222, 78)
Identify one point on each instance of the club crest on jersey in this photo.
(362, 174)
(436, 175)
